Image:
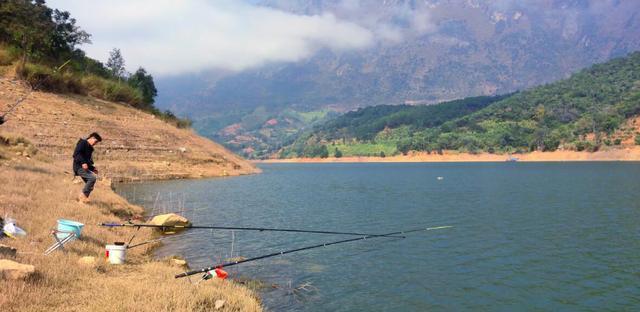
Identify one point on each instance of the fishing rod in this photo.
(231, 228)
(228, 264)
(33, 87)
(3, 116)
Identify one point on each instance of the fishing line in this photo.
(129, 246)
(241, 229)
(194, 210)
(228, 264)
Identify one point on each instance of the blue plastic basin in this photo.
(67, 227)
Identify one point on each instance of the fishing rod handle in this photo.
(189, 273)
(111, 224)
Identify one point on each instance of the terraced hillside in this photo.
(137, 145)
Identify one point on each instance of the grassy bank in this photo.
(36, 192)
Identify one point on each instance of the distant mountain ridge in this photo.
(466, 48)
(593, 109)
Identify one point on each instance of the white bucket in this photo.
(116, 253)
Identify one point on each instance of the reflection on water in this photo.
(527, 236)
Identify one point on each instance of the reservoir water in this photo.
(525, 236)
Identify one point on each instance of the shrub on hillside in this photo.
(10, 140)
(169, 117)
(17, 144)
(337, 153)
(7, 57)
(583, 145)
(42, 77)
(119, 92)
(183, 123)
(637, 139)
(112, 90)
(587, 146)
(73, 84)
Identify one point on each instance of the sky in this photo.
(173, 37)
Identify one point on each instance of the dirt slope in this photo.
(137, 145)
(36, 192)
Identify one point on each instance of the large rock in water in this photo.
(179, 263)
(170, 219)
(13, 270)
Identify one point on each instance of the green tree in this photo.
(38, 31)
(323, 152)
(27, 25)
(115, 64)
(337, 153)
(66, 35)
(144, 82)
(403, 146)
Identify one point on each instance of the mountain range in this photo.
(425, 52)
(596, 108)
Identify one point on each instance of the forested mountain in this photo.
(425, 52)
(365, 123)
(586, 111)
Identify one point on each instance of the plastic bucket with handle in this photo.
(116, 254)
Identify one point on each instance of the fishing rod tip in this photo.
(439, 227)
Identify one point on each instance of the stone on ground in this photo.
(87, 261)
(219, 304)
(12, 270)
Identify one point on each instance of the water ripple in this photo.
(526, 237)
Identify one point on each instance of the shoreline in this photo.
(612, 154)
(38, 192)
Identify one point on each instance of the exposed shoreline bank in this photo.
(36, 193)
(38, 190)
(621, 154)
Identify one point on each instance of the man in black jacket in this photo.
(83, 164)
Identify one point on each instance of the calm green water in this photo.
(526, 236)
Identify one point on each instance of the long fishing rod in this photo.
(3, 116)
(228, 264)
(33, 87)
(231, 228)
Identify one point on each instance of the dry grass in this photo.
(36, 192)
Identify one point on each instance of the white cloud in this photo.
(173, 37)
(394, 23)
